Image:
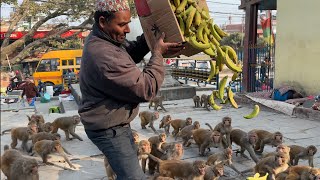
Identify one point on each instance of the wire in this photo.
(217, 12)
(224, 3)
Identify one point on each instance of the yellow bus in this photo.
(54, 65)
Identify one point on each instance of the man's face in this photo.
(118, 27)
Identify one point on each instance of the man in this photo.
(112, 86)
(30, 90)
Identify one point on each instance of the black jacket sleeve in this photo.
(137, 49)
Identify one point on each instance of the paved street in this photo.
(296, 131)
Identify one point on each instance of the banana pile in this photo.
(202, 33)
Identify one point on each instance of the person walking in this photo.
(112, 85)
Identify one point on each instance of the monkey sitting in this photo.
(302, 172)
(157, 102)
(17, 167)
(281, 148)
(68, 125)
(24, 134)
(214, 172)
(265, 137)
(148, 117)
(224, 128)
(164, 123)
(196, 101)
(46, 147)
(186, 132)
(178, 124)
(225, 157)
(299, 152)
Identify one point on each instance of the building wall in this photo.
(298, 45)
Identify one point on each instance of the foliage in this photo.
(234, 40)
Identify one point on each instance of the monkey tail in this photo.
(209, 126)
(3, 132)
(29, 117)
(154, 158)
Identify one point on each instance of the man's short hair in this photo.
(108, 15)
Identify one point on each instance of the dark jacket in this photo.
(111, 84)
(30, 90)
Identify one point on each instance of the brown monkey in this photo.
(148, 117)
(68, 125)
(205, 138)
(246, 141)
(302, 172)
(157, 141)
(162, 178)
(46, 147)
(45, 127)
(135, 137)
(196, 101)
(225, 157)
(214, 172)
(44, 135)
(299, 152)
(265, 137)
(17, 167)
(178, 124)
(186, 132)
(224, 128)
(180, 169)
(205, 101)
(164, 123)
(143, 151)
(36, 117)
(280, 148)
(157, 102)
(272, 165)
(24, 134)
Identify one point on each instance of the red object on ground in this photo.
(66, 91)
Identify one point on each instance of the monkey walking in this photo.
(157, 102)
(24, 134)
(299, 152)
(148, 117)
(204, 100)
(178, 124)
(186, 132)
(266, 137)
(68, 125)
(164, 123)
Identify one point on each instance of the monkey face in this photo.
(156, 114)
(34, 129)
(145, 146)
(283, 149)
(311, 150)
(219, 170)
(162, 137)
(216, 136)
(281, 159)
(56, 136)
(188, 121)
(200, 167)
(277, 139)
(196, 125)
(179, 148)
(228, 153)
(76, 119)
(253, 138)
(226, 121)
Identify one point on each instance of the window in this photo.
(48, 65)
(78, 60)
(64, 62)
(70, 62)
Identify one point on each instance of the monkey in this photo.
(178, 124)
(135, 137)
(17, 167)
(180, 169)
(205, 139)
(280, 148)
(299, 152)
(224, 128)
(164, 123)
(144, 147)
(225, 157)
(265, 137)
(162, 178)
(45, 127)
(186, 132)
(36, 117)
(157, 141)
(148, 117)
(246, 141)
(196, 101)
(273, 165)
(214, 172)
(300, 172)
(44, 135)
(46, 147)
(24, 134)
(68, 125)
(300, 110)
(157, 102)
(205, 101)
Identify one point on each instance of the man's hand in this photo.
(164, 47)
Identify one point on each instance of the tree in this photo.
(81, 11)
(234, 40)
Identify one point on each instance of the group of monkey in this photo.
(15, 165)
(165, 158)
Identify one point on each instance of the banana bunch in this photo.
(202, 33)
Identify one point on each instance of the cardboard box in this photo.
(163, 19)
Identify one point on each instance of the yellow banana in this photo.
(176, 3)
(212, 71)
(181, 6)
(206, 29)
(254, 113)
(235, 76)
(190, 18)
(232, 53)
(209, 52)
(213, 31)
(197, 19)
(214, 41)
(222, 85)
(230, 97)
(230, 64)
(181, 25)
(187, 11)
(173, 7)
(220, 58)
(205, 38)
(212, 103)
(219, 31)
(193, 41)
(257, 177)
(200, 32)
(202, 12)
